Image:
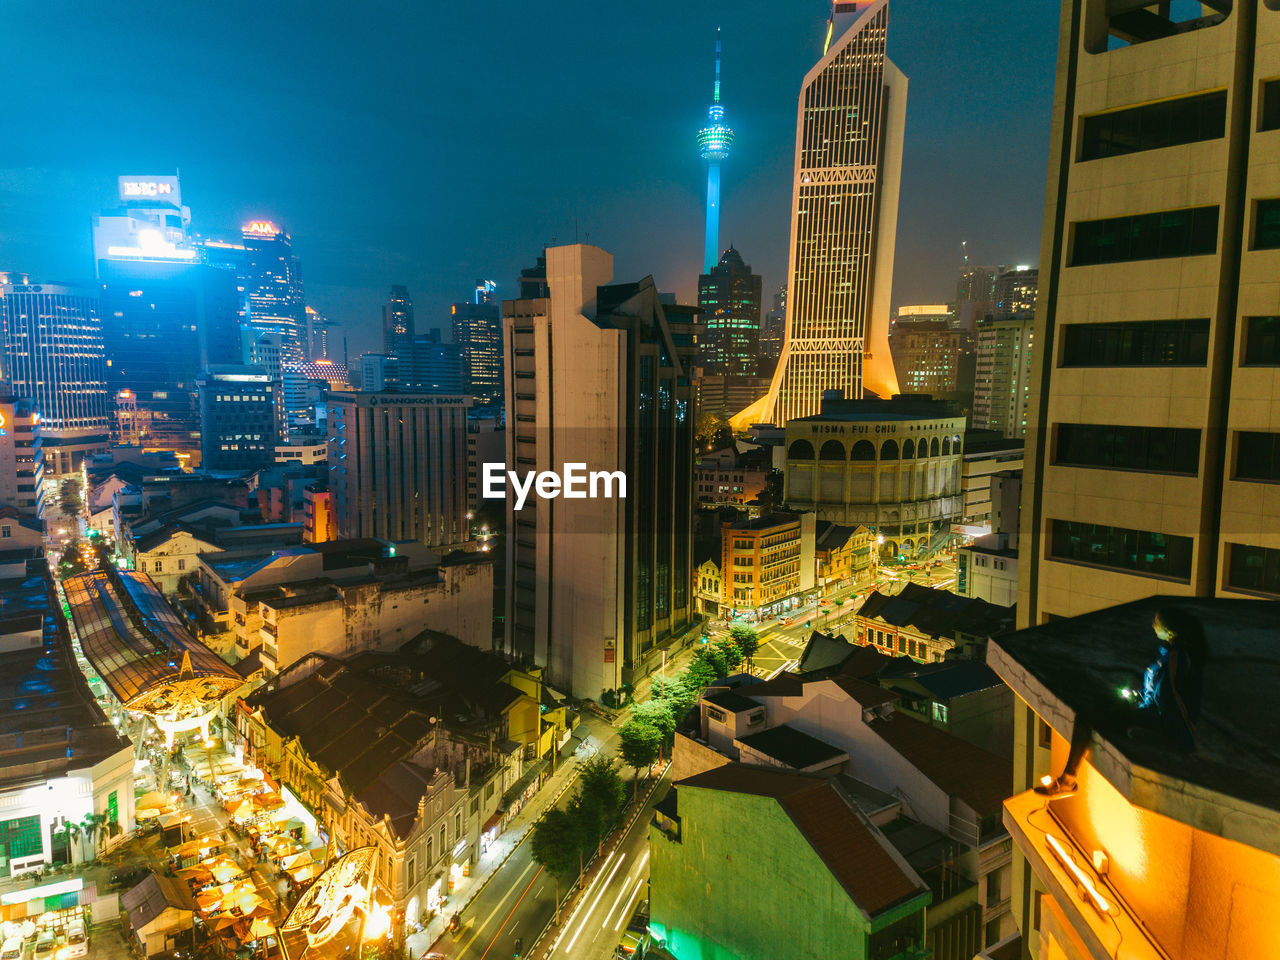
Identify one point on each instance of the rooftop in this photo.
(792, 747)
(978, 777)
(945, 679)
(938, 612)
(873, 875)
(902, 407)
(1076, 667)
(731, 701)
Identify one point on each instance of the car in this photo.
(11, 949)
(46, 947)
(77, 940)
(784, 621)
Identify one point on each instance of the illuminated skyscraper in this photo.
(477, 332)
(53, 354)
(397, 321)
(714, 141)
(729, 295)
(273, 286)
(844, 218)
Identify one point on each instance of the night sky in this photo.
(432, 143)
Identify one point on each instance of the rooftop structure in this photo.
(143, 652)
(1156, 839)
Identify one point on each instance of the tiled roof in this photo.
(731, 701)
(938, 613)
(853, 851)
(978, 777)
(945, 679)
(866, 694)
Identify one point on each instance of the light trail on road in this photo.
(591, 909)
(514, 907)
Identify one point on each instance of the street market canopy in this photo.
(142, 650)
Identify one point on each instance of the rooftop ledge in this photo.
(1093, 910)
(1230, 786)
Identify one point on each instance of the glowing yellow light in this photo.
(261, 227)
(379, 922)
(1046, 780)
(1085, 881)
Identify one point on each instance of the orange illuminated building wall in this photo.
(320, 523)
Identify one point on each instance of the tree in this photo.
(701, 670)
(641, 742)
(729, 652)
(712, 430)
(71, 562)
(747, 639)
(657, 714)
(557, 845)
(677, 693)
(599, 800)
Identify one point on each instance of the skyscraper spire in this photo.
(714, 141)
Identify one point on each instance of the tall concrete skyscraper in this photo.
(1152, 460)
(272, 283)
(477, 332)
(844, 220)
(397, 321)
(714, 141)
(599, 374)
(53, 354)
(729, 295)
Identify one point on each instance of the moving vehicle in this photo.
(77, 940)
(635, 939)
(12, 949)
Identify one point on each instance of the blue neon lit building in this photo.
(714, 141)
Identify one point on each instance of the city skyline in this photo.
(358, 224)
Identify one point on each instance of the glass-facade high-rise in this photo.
(477, 332)
(272, 282)
(53, 355)
(397, 320)
(164, 321)
(844, 213)
(729, 296)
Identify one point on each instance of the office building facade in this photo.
(605, 391)
(932, 357)
(1151, 442)
(1002, 374)
(21, 457)
(164, 321)
(398, 466)
(397, 320)
(429, 366)
(729, 297)
(54, 356)
(844, 217)
(238, 417)
(773, 331)
(272, 281)
(477, 334)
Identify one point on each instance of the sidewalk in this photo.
(504, 845)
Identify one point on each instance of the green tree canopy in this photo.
(677, 693)
(747, 640)
(730, 654)
(600, 798)
(640, 745)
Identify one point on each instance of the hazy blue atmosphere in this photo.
(431, 144)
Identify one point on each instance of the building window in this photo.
(1262, 341)
(1044, 733)
(1149, 449)
(413, 872)
(1257, 456)
(159, 566)
(940, 712)
(1266, 224)
(1120, 548)
(1154, 125)
(1189, 232)
(1253, 568)
(182, 564)
(430, 853)
(902, 644)
(21, 837)
(1133, 23)
(6, 531)
(1140, 343)
(1270, 116)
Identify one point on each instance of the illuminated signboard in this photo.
(328, 905)
(149, 188)
(261, 228)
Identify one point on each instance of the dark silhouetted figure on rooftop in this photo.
(1169, 702)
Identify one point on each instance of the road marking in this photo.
(627, 910)
(479, 927)
(581, 903)
(782, 669)
(514, 907)
(639, 868)
(587, 915)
